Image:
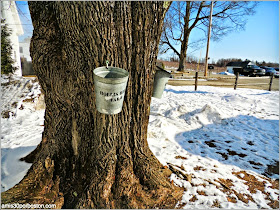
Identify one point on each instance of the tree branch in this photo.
(167, 42)
(197, 16)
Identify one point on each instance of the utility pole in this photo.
(208, 40)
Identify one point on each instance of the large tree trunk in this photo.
(185, 41)
(183, 53)
(87, 159)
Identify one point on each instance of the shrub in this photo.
(6, 50)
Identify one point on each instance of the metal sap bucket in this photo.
(161, 78)
(110, 85)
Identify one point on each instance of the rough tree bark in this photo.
(87, 159)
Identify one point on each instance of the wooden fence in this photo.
(197, 79)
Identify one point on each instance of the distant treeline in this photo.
(221, 62)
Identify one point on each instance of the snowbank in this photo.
(216, 136)
(21, 127)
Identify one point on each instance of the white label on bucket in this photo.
(113, 97)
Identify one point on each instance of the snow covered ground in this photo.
(221, 144)
(21, 126)
(218, 139)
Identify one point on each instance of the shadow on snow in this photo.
(12, 169)
(244, 141)
(184, 91)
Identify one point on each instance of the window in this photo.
(20, 50)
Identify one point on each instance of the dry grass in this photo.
(193, 199)
(169, 64)
(201, 193)
(28, 100)
(226, 186)
(228, 82)
(216, 204)
(254, 184)
(180, 157)
(197, 168)
(6, 114)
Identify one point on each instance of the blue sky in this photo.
(25, 18)
(259, 41)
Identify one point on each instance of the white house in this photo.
(10, 14)
(24, 49)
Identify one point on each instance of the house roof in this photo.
(238, 64)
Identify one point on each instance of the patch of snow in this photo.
(226, 73)
(22, 131)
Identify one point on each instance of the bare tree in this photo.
(87, 159)
(184, 17)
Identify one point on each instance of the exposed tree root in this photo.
(37, 187)
(121, 188)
